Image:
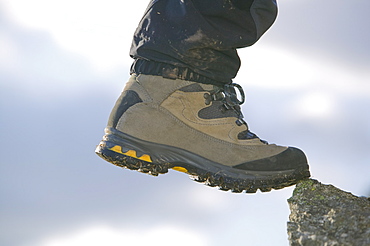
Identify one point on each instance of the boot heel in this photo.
(128, 158)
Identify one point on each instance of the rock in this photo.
(325, 215)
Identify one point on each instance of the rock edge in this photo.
(325, 215)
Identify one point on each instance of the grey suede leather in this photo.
(170, 116)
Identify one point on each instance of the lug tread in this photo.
(201, 176)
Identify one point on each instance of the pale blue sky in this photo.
(64, 63)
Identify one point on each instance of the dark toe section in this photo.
(291, 158)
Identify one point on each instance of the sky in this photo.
(63, 65)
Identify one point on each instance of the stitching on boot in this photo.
(201, 121)
(143, 90)
(203, 134)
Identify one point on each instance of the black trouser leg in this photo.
(198, 39)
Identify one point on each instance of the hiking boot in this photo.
(159, 124)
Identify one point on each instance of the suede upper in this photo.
(167, 115)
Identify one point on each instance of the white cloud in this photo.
(99, 30)
(275, 67)
(166, 235)
(266, 66)
(9, 54)
(315, 105)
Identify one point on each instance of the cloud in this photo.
(56, 105)
(334, 29)
(33, 64)
(165, 235)
(316, 105)
(99, 31)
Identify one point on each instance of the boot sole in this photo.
(128, 152)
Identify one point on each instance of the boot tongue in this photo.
(231, 104)
(216, 110)
(244, 135)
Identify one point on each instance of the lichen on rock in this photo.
(325, 215)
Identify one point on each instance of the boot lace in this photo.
(230, 101)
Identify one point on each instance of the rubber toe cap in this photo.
(291, 158)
